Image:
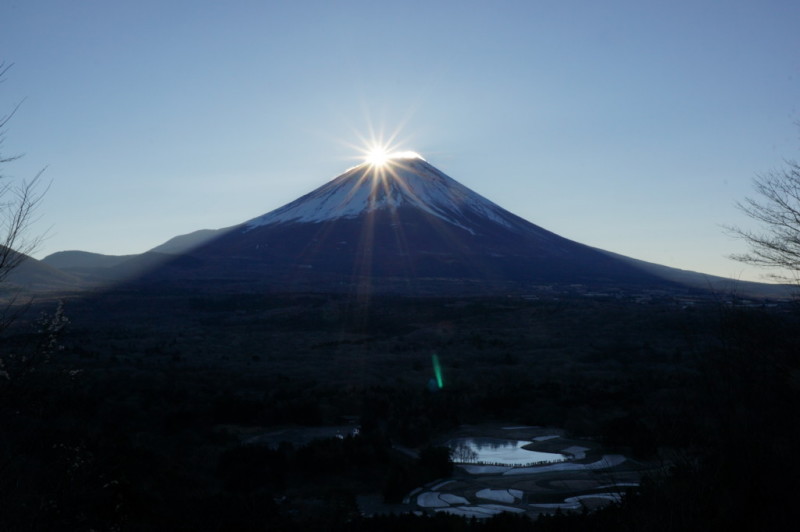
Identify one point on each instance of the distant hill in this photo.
(35, 275)
(714, 283)
(187, 242)
(96, 268)
(81, 260)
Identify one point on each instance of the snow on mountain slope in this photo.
(408, 182)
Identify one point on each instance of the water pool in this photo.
(498, 451)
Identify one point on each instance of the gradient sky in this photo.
(631, 126)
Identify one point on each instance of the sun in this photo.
(379, 155)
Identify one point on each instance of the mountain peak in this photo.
(380, 156)
(403, 180)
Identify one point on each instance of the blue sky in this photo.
(630, 126)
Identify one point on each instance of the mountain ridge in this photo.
(394, 225)
(406, 220)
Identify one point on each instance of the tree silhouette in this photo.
(18, 203)
(776, 207)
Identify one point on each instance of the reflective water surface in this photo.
(498, 452)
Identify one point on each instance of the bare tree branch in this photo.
(777, 207)
(18, 204)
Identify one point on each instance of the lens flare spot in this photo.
(437, 371)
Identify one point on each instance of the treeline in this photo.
(119, 448)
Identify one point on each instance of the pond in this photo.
(497, 451)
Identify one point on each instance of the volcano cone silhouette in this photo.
(404, 221)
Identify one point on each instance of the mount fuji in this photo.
(398, 225)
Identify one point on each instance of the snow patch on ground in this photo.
(469, 511)
(481, 511)
(545, 438)
(574, 503)
(499, 495)
(620, 485)
(609, 496)
(555, 506)
(432, 499)
(449, 498)
(440, 485)
(606, 462)
(502, 508)
(577, 452)
(484, 469)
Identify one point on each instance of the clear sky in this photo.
(633, 126)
